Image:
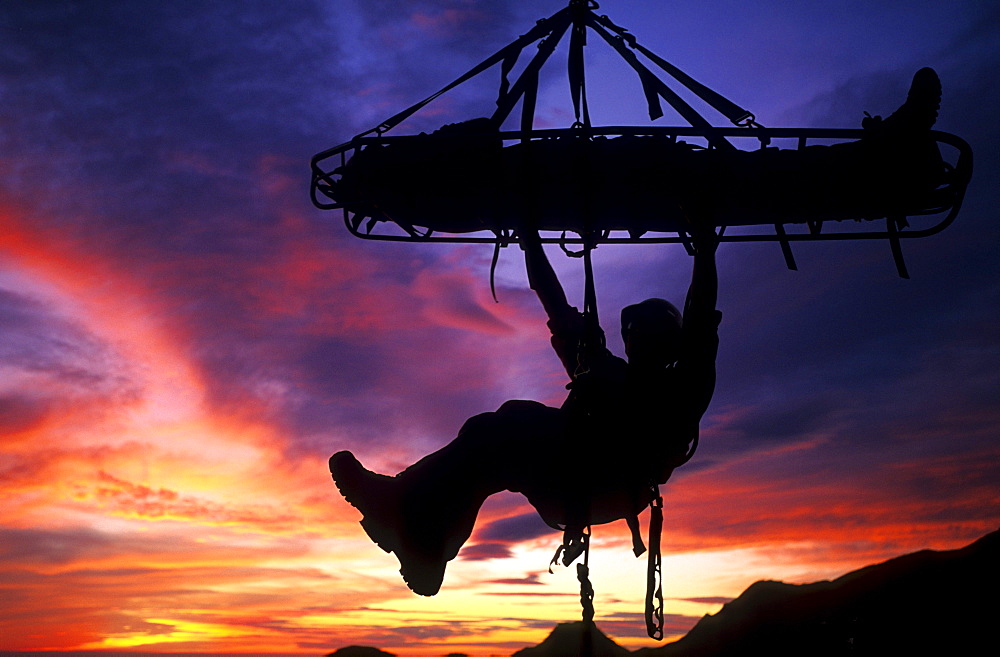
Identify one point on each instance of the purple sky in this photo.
(159, 258)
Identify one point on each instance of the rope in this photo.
(583, 575)
(576, 541)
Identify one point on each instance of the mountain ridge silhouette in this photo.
(923, 603)
(910, 605)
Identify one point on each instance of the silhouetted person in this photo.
(594, 460)
(623, 428)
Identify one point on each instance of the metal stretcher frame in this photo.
(960, 169)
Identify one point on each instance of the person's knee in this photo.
(478, 423)
(519, 407)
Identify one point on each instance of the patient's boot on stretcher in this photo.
(919, 112)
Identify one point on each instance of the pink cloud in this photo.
(448, 22)
(485, 551)
(458, 300)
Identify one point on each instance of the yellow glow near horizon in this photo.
(183, 631)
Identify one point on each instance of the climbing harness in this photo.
(576, 542)
(576, 538)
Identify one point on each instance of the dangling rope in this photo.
(583, 576)
(586, 598)
(576, 541)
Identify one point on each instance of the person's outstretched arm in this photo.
(703, 293)
(542, 278)
(701, 324)
(565, 322)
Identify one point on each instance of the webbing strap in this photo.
(786, 248)
(589, 290)
(508, 55)
(654, 572)
(530, 94)
(633, 527)
(892, 225)
(592, 339)
(719, 103)
(577, 77)
(654, 87)
(551, 30)
(736, 114)
(554, 28)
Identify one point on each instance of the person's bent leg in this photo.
(426, 513)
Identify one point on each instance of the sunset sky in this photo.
(185, 339)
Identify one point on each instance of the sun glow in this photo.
(173, 631)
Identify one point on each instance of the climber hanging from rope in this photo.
(598, 458)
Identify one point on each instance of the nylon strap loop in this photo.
(508, 55)
(719, 103)
(555, 27)
(651, 81)
(654, 572)
(577, 76)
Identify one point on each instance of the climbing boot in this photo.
(377, 497)
(395, 522)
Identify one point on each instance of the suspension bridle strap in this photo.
(507, 55)
(654, 571)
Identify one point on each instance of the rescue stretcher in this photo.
(644, 183)
(472, 182)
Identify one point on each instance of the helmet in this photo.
(656, 315)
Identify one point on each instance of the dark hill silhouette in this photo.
(925, 603)
(360, 651)
(566, 641)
